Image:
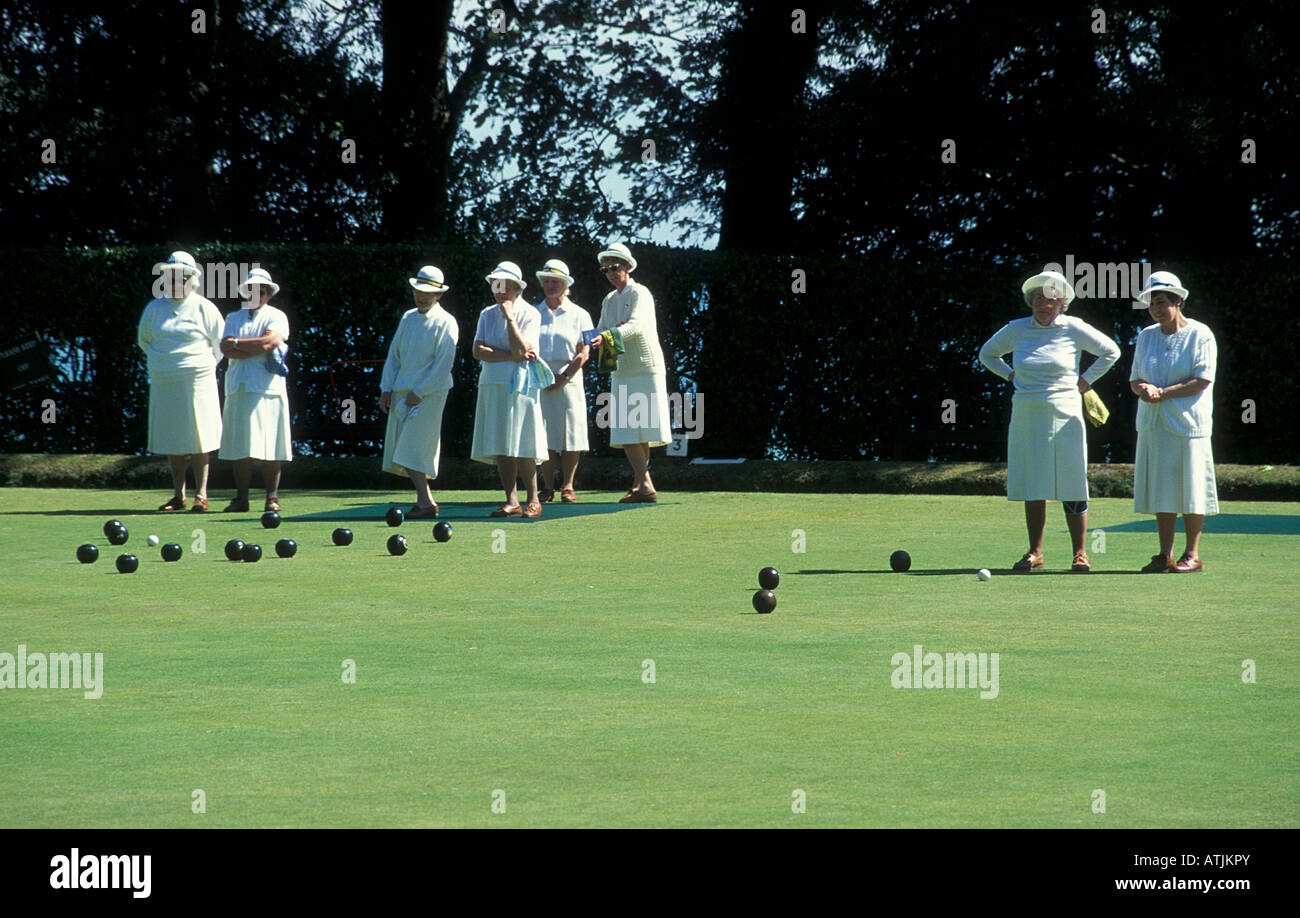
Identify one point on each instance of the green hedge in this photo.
(856, 367)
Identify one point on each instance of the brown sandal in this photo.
(507, 510)
(568, 496)
(200, 505)
(1029, 562)
(272, 504)
(533, 510)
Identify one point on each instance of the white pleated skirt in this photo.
(256, 426)
(638, 410)
(413, 439)
(1047, 450)
(564, 413)
(507, 424)
(1174, 474)
(184, 415)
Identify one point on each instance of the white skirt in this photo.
(413, 439)
(1047, 451)
(638, 410)
(184, 415)
(1173, 474)
(564, 413)
(256, 427)
(507, 424)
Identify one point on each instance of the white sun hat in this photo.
(1054, 281)
(1162, 281)
(258, 276)
(620, 251)
(510, 271)
(181, 261)
(428, 280)
(556, 269)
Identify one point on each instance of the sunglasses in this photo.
(615, 267)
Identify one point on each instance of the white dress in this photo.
(181, 340)
(1047, 450)
(564, 411)
(1173, 471)
(506, 423)
(638, 390)
(255, 420)
(420, 359)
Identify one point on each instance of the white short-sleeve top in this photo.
(1163, 360)
(492, 332)
(251, 374)
(1046, 357)
(422, 353)
(561, 329)
(180, 337)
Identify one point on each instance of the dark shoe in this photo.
(200, 505)
(272, 504)
(545, 495)
(176, 503)
(1159, 564)
(568, 496)
(533, 510)
(422, 513)
(237, 506)
(507, 510)
(1029, 562)
(1187, 565)
(1081, 563)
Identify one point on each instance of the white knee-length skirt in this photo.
(184, 415)
(1174, 474)
(638, 410)
(564, 413)
(256, 426)
(413, 439)
(1047, 451)
(507, 424)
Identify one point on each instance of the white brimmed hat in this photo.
(1162, 281)
(510, 271)
(258, 276)
(428, 280)
(620, 251)
(1050, 279)
(556, 269)
(181, 261)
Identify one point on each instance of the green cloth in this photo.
(608, 349)
(1095, 408)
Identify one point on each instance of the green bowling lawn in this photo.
(603, 667)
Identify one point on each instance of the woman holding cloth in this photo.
(180, 334)
(508, 418)
(1047, 453)
(256, 416)
(638, 414)
(564, 402)
(1173, 374)
(417, 378)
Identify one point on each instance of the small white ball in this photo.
(984, 573)
(153, 540)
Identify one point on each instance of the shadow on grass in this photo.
(970, 571)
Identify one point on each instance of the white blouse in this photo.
(1163, 360)
(492, 332)
(251, 374)
(1046, 358)
(180, 337)
(561, 329)
(635, 305)
(421, 355)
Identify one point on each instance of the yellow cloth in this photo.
(1095, 408)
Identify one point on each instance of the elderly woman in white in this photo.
(1173, 374)
(256, 416)
(417, 377)
(1047, 453)
(564, 402)
(507, 422)
(638, 411)
(180, 334)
